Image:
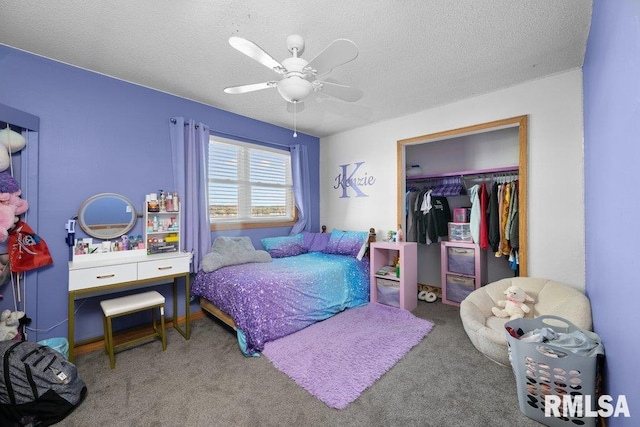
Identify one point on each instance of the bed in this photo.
(306, 279)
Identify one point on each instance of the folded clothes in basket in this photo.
(581, 342)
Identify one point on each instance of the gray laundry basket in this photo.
(542, 369)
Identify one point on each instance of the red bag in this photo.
(27, 251)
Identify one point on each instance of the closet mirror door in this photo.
(477, 137)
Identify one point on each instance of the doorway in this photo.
(490, 147)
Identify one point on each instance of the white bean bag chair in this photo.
(487, 332)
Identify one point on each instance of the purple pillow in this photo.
(346, 242)
(315, 242)
(284, 246)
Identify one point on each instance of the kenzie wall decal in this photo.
(353, 178)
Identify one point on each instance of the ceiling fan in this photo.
(299, 77)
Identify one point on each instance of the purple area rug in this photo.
(338, 358)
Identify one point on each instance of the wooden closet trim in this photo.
(521, 123)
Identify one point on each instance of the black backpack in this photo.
(40, 387)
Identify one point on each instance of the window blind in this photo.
(248, 182)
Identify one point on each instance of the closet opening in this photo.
(450, 165)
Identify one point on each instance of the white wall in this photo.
(555, 170)
(486, 150)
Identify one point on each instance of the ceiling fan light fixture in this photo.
(294, 88)
(298, 75)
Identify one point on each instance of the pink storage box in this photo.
(460, 215)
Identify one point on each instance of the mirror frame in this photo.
(521, 122)
(106, 235)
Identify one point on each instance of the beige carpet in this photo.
(443, 381)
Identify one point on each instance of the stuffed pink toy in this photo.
(11, 205)
(20, 204)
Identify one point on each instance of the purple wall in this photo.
(612, 151)
(98, 134)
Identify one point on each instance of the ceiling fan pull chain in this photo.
(295, 125)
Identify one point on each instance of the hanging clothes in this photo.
(484, 226)
(474, 219)
(498, 253)
(504, 216)
(493, 211)
(421, 217)
(494, 217)
(513, 225)
(438, 219)
(411, 234)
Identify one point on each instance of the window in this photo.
(249, 185)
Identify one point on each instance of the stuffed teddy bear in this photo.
(9, 323)
(514, 305)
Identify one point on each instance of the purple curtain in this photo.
(189, 148)
(301, 187)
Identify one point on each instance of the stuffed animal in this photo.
(9, 323)
(11, 205)
(10, 142)
(514, 305)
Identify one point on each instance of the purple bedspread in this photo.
(271, 300)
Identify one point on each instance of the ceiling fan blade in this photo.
(343, 92)
(339, 52)
(255, 52)
(249, 88)
(297, 107)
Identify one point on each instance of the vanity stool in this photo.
(127, 305)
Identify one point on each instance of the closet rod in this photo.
(462, 173)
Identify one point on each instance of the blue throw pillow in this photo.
(284, 246)
(346, 242)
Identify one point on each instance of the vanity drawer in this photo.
(162, 267)
(93, 277)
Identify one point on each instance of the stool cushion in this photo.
(115, 306)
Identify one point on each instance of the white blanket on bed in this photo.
(232, 251)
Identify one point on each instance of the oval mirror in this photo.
(107, 216)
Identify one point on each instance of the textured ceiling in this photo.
(414, 54)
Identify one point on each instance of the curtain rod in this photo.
(246, 139)
(240, 137)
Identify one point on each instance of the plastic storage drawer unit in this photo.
(460, 232)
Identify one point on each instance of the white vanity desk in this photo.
(97, 274)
